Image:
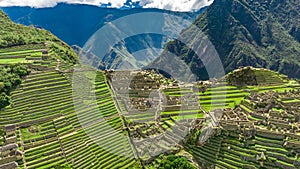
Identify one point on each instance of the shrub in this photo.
(172, 162)
(10, 78)
(4, 100)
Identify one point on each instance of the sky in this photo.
(173, 5)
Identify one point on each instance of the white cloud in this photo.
(174, 5)
(52, 3)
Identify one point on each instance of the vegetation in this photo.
(10, 77)
(53, 133)
(62, 167)
(249, 76)
(175, 162)
(22, 47)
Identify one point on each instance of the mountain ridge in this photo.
(244, 36)
(88, 19)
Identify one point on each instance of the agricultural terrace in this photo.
(30, 54)
(227, 95)
(261, 132)
(49, 133)
(153, 110)
(45, 130)
(38, 56)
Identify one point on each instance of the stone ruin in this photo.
(9, 152)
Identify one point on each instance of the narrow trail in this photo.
(23, 149)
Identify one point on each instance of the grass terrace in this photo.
(41, 97)
(229, 96)
(22, 54)
(222, 97)
(230, 152)
(52, 133)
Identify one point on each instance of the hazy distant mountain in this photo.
(76, 23)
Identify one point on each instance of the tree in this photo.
(176, 162)
(10, 78)
(4, 100)
(21, 70)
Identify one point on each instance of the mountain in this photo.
(134, 52)
(134, 41)
(81, 22)
(23, 48)
(247, 33)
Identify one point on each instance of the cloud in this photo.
(52, 3)
(174, 5)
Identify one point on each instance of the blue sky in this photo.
(174, 5)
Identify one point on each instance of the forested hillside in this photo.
(249, 33)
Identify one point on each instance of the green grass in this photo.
(24, 56)
(292, 101)
(27, 135)
(278, 88)
(245, 108)
(29, 47)
(18, 52)
(231, 95)
(14, 61)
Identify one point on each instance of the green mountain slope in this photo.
(248, 33)
(24, 48)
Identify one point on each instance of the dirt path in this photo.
(23, 149)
